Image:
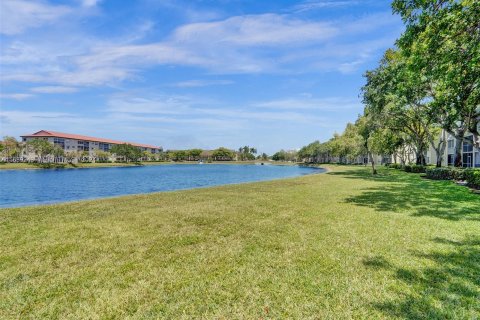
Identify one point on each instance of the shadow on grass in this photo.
(449, 289)
(405, 192)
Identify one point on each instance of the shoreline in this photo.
(30, 166)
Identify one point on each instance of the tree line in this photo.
(425, 87)
(13, 151)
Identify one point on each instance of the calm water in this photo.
(29, 187)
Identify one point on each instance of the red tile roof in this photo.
(45, 133)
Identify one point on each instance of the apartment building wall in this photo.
(75, 145)
(470, 153)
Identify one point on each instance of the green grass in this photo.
(330, 246)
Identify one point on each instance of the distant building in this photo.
(74, 143)
(470, 153)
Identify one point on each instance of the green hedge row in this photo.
(408, 168)
(445, 174)
(472, 176)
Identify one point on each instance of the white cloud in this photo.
(201, 83)
(183, 109)
(20, 15)
(158, 105)
(90, 3)
(254, 30)
(54, 89)
(326, 104)
(265, 43)
(314, 5)
(16, 96)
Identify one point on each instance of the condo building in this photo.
(74, 143)
(470, 153)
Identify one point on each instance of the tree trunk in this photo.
(458, 149)
(440, 149)
(374, 171)
(420, 150)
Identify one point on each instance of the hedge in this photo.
(473, 177)
(413, 168)
(445, 174)
(395, 166)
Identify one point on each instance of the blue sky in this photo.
(184, 74)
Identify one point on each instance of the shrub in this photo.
(473, 177)
(395, 166)
(439, 173)
(458, 174)
(448, 173)
(417, 169)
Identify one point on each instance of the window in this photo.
(450, 144)
(477, 159)
(59, 142)
(104, 146)
(83, 145)
(451, 159)
(467, 159)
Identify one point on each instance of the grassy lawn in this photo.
(330, 246)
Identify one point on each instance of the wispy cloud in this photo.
(90, 3)
(19, 15)
(325, 104)
(264, 43)
(315, 5)
(16, 96)
(255, 30)
(201, 83)
(183, 108)
(54, 89)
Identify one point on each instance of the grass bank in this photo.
(17, 166)
(333, 246)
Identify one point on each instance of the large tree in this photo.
(41, 147)
(11, 147)
(442, 45)
(395, 97)
(223, 154)
(127, 152)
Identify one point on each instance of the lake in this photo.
(43, 186)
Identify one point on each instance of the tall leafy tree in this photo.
(442, 44)
(395, 97)
(127, 152)
(223, 154)
(42, 148)
(11, 147)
